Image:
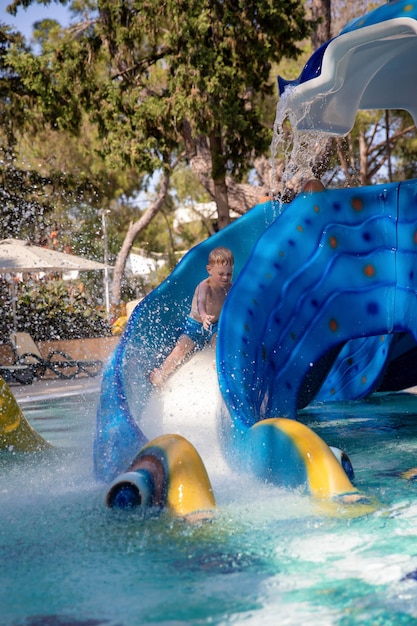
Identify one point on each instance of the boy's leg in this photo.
(182, 349)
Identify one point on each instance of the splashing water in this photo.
(294, 153)
(269, 556)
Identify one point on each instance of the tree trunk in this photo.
(363, 159)
(388, 144)
(132, 232)
(320, 10)
(218, 175)
(240, 197)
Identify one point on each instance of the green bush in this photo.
(58, 309)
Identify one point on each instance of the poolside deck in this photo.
(55, 388)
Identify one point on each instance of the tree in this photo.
(165, 80)
(21, 209)
(221, 68)
(132, 232)
(200, 83)
(158, 84)
(367, 154)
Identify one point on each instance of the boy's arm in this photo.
(203, 289)
(202, 298)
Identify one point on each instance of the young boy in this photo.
(200, 328)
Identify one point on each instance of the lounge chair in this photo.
(58, 363)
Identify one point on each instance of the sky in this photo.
(25, 18)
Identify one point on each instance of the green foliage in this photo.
(187, 187)
(58, 309)
(114, 93)
(21, 207)
(138, 85)
(142, 68)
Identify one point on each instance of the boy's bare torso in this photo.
(214, 300)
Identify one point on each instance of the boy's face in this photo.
(221, 275)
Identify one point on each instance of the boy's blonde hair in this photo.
(221, 256)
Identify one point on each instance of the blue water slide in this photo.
(387, 362)
(151, 332)
(322, 294)
(337, 266)
(324, 301)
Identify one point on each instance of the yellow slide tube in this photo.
(167, 472)
(325, 476)
(16, 434)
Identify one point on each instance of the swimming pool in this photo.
(269, 556)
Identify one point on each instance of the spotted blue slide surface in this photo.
(340, 265)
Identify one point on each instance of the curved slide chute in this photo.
(369, 65)
(151, 332)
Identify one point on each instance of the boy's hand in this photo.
(207, 321)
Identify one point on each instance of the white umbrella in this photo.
(17, 256)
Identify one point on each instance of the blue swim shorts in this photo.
(196, 332)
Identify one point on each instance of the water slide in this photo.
(369, 65)
(150, 335)
(323, 302)
(335, 267)
(122, 428)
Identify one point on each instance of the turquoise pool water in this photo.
(269, 556)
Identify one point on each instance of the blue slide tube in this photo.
(150, 335)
